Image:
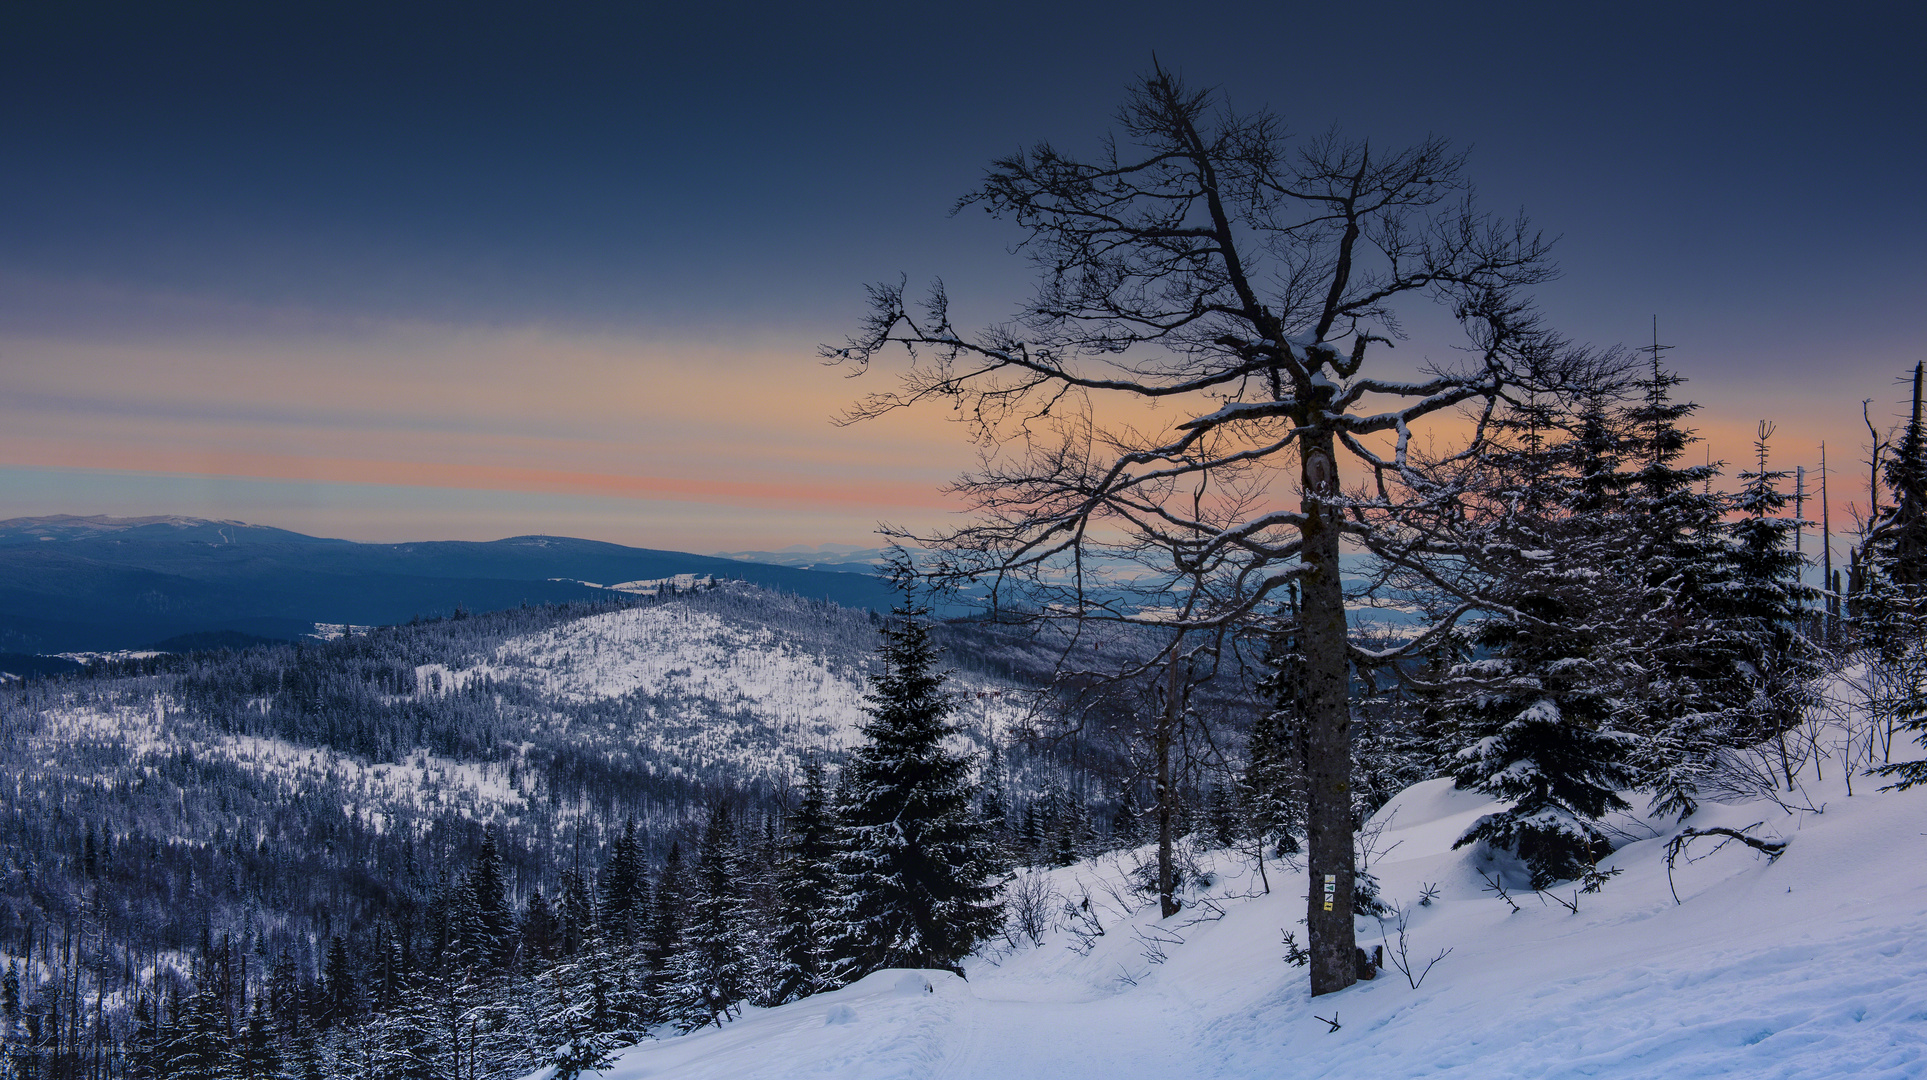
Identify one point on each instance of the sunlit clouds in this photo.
(718, 442)
(403, 272)
(516, 411)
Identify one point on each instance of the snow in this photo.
(678, 651)
(418, 787)
(422, 784)
(665, 690)
(1808, 966)
(714, 688)
(651, 586)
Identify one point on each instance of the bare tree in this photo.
(1220, 294)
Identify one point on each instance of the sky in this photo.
(472, 270)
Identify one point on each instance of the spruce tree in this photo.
(1070, 834)
(304, 1056)
(446, 921)
(1675, 545)
(993, 804)
(1560, 774)
(1890, 595)
(1536, 704)
(806, 884)
(10, 997)
(1540, 705)
(539, 932)
(577, 917)
(1769, 599)
(761, 852)
(1896, 540)
(201, 1038)
(469, 944)
(913, 865)
(576, 1030)
(257, 1057)
(1032, 827)
(709, 978)
(1221, 825)
(666, 918)
(145, 1048)
(284, 997)
(403, 1043)
(1127, 822)
(622, 886)
(339, 1003)
(1272, 783)
(1908, 712)
(590, 1002)
(494, 919)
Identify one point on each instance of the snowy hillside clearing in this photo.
(416, 788)
(721, 671)
(677, 651)
(1809, 966)
(672, 691)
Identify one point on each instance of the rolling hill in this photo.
(92, 583)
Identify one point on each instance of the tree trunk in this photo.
(1167, 724)
(1328, 736)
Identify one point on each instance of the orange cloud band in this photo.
(790, 493)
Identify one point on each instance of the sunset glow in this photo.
(440, 298)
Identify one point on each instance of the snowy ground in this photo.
(707, 688)
(673, 650)
(1811, 966)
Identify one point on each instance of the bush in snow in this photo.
(1562, 777)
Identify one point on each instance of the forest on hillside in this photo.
(242, 816)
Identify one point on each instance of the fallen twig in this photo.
(1404, 963)
(1675, 847)
(1494, 885)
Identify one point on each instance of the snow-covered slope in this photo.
(678, 651)
(684, 684)
(1810, 966)
(732, 687)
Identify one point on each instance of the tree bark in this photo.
(1328, 738)
(1166, 794)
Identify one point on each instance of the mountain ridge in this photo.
(73, 583)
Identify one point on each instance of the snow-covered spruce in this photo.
(913, 862)
(1559, 777)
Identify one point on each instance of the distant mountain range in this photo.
(71, 584)
(839, 556)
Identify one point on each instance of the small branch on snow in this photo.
(1212, 912)
(1295, 954)
(1401, 959)
(1494, 885)
(1676, 847)
(1155, 942)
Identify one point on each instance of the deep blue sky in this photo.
(366, 186)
